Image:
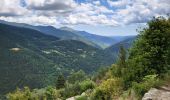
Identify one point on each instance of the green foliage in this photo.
(48, 93)
(77, 88)
(71, 90)
(100, 73)
(24, 94)
(114, 70)
(41, 57)
(99, 95)
(122, 57)
(108, 89)
(81, 98)
(121, 61)
(60, 82)
(52, 94)
(77, 77)
(148, 82)
(115, 49)
(149, 54)
(86, 84)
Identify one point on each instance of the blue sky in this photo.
(102, 17)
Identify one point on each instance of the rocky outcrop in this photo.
(162, 93)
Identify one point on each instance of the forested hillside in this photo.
(147, 66)
(31, 58)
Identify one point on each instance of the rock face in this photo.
(163, 93)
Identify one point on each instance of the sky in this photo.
(102, 17)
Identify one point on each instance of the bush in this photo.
(49, 93)
(77, 77)
(71, 90)
(77, 88)
(148, 82)
(108, 89)
(20, 94)
(82, 98)
(87, 84)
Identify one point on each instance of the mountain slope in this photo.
(50, 30)
(102, 41)
(63, 34)
(29, 57)
(20, 64)
(114, 49)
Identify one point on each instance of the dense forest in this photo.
(145, 65)
(34, 59)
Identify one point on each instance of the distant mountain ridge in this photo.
(50, 30)
(114, 49)
(67, 33)
(102, 41)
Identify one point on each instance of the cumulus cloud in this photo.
(33, 20)
(90, 20)
(87, 13)
(92, 12)
(119, 3)
(64, 12)
(141, 11)
(50, 4)
(12, 8)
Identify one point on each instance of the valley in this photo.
(43, 53)
(48, 63)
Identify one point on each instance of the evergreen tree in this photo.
(149, 54)
(122, 61)
(60, 82)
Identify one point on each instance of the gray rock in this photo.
(157, 94)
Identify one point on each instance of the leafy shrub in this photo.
(82, 98)
(49, 93)
(77, 88)
(87, 84)
(77, 77)
(19, 94)
(108, 89)
(71, 90)
(148, 82)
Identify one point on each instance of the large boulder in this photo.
(163, 93)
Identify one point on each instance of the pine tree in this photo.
(122, 57)
(60, 82)
(122, 61)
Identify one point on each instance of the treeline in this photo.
(147, 65)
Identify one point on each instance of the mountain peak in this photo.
(67, 29)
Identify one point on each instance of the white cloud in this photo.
(82, 18)
(11, 8)
(96, 3)
(50, 4)
(91, 9)
(92, 12)
(141, 11)
(33, 20)
(87, 13)
(119, 3)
